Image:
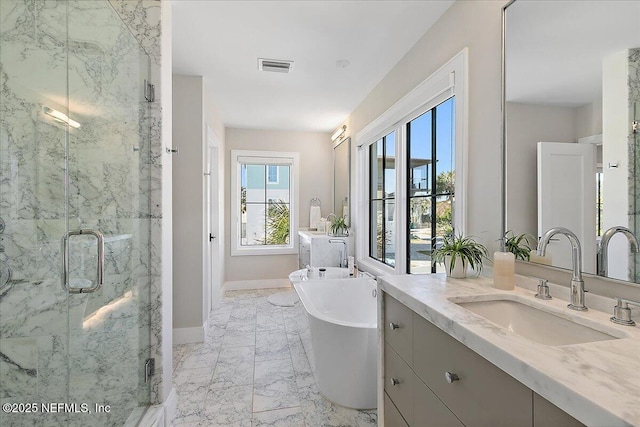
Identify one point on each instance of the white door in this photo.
(567, 198)
(213, 242)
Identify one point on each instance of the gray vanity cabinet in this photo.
(431, 379)
(483, 395)
(546, 414)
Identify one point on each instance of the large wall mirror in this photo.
(342, 178)
(572, 101)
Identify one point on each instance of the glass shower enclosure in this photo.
(74, 216)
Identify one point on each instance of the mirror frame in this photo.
(336, 144)
(503, 128)
(530, 268)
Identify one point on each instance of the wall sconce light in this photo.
(339, 133)
(61, 117)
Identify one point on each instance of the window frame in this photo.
(291, 159)
(449, 80)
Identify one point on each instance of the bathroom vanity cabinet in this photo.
(315, 249)
(431, 379)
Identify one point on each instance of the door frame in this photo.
(212, 220)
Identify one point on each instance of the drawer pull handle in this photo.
(451, 377)
(394, 326)
(395, 381)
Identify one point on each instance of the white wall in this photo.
(316, 180)
(193, 112)
(528, 125)
(476, 25)
(615, 125)
(187, 199)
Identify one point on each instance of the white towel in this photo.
(314, 216)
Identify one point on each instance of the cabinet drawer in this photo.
(428, 410)
(546, 414)
(392, 417)
(398, 382)
(483, 396)
(400, 335)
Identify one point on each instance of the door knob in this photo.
(450, 377)
(211, 237)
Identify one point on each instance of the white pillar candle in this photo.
(504, 270)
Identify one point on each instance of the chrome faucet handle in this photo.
(622, 312)
(543, 290)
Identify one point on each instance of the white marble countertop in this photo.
(597, 383)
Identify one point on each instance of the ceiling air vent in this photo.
(274, 65)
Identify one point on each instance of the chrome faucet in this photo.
(577, 284)
(603, 246)
(343, 256)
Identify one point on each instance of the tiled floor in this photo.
(254, 370)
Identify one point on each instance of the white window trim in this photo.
(449, 80)
(263, 157)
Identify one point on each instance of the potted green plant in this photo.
(339, 226)
(518, 244)
(458, 253)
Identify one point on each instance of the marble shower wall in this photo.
(113, 186)
(634, 157)
(142, 17)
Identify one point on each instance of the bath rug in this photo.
(284, 299)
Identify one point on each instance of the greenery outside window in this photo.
(431, 184)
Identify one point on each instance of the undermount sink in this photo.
(535, 324)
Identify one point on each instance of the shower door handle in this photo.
(65, 261)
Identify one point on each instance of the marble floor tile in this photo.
(238, 339)
(255, 364)
(220, 318)
(190, 406)
(298, 355)
(269, 320)
(234, 368)
(192, 380)
(274, 386)
(230, 406)
(201, 357)
(287, 417)
(241, 326)
(271, 345)
(243, 313)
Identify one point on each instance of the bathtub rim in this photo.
(312, 311)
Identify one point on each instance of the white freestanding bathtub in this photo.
(342, 319)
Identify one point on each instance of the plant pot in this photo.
(459, 270)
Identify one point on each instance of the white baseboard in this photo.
(241, 285)
(188, 335)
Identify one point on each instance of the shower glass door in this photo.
(74, 166)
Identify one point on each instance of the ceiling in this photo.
(222, 41)
(554, 49)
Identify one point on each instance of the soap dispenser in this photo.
(504, 270)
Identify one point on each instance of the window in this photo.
(431, 186)
(411, 187)
(264, 202)
(382, 167)
(273, 174)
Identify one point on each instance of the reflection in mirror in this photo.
(572, 85)
(341, 178)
